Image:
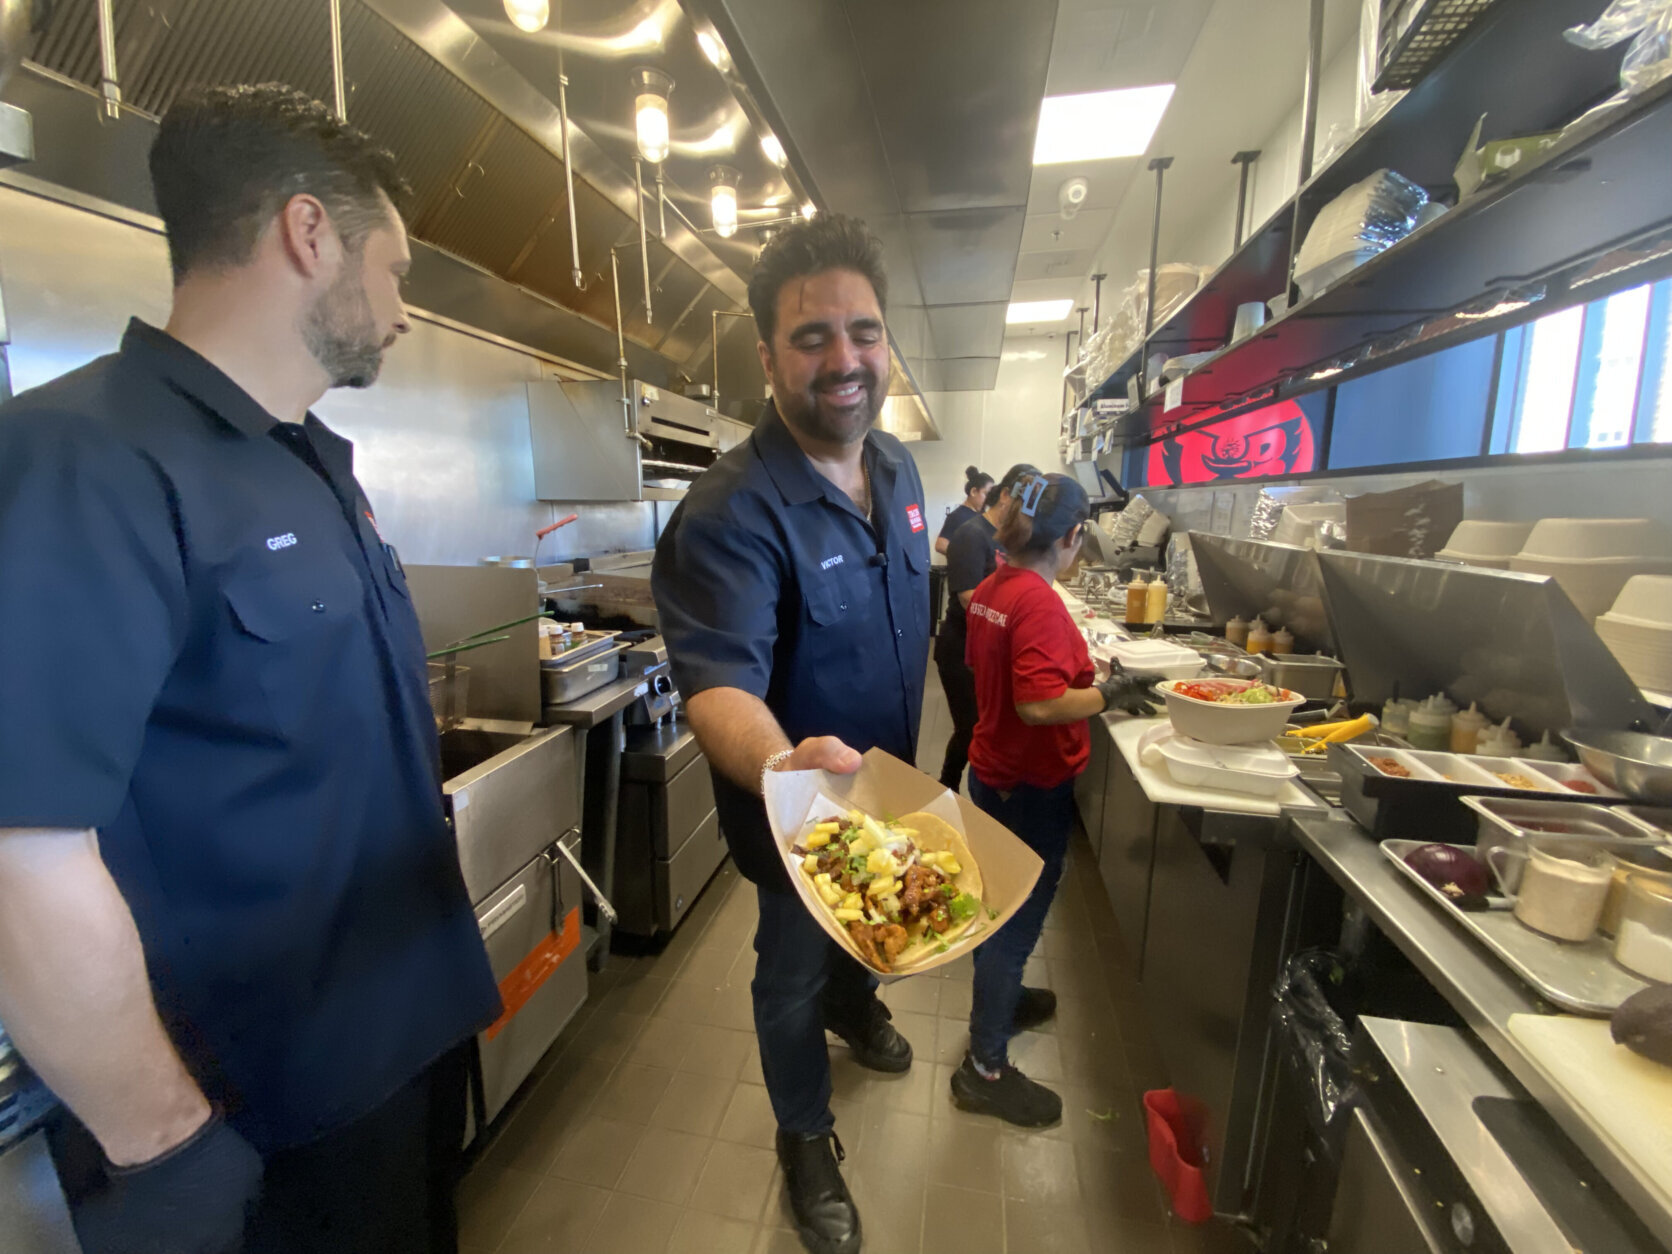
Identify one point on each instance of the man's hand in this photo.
(822, 753)
(195, 1199)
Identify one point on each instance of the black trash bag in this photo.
(1313, 1034)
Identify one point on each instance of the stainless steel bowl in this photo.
(1636, 764)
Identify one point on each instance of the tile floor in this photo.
(647, 1129)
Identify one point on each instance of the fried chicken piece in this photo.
(922, 890)
(865, 938)
(894, 940)
(940, 918)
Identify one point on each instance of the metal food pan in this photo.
(562, 681)
(1509, 820)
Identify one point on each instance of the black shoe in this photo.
(873, 1040)
(1012, 1096)
(825, 1215)
(1038, 1005)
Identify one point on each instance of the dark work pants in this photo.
(958, 681)
(382, 1185)
(803, 980)
(1044, 819)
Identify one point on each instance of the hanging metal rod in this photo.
(339, 87)
(110, 86)
(1160, 166)
(1243, 159)
(715, 338)
(644, 238)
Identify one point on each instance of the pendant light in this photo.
(722, 200)
(650, 112)
(528, 15)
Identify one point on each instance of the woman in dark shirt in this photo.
(976, 487)
(972, 556)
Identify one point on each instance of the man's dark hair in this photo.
(227, 159)
(829, 242)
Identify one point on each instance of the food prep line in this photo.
(1213, 892)
(1481, 990)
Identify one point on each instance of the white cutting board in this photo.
(1628, 1096)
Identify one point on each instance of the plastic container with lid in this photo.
(1466, 727)
(1430, 724)
(1236, 632)
(1155, 608)
(1396, 716)
(1498, 741)
(1644, 941)
(1282, 641)
(1545, 751)
(1259, 637)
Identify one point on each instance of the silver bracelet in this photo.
(772, 764)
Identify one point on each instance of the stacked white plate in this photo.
(1593, 558)
(1638, 631)
(1479, 542)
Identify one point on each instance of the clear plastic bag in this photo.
(1648, 24)
(1316, 1033)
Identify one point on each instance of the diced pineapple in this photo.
(830, 894)
(881, 862)
(883, 884)
(810, 863)
(846, 914)
(853, 901)
(829, 827)
(818, 840)
(951, 865)
(876, 831)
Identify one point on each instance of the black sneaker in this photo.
(1012, 1096)
(825, 1215)
(1038, 1005)
(873, 1039)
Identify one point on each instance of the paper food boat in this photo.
(885, 787)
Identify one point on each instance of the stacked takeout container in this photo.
(1593, 558)
(1638, 631)
(1479, 542)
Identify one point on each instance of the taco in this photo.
(901, 890)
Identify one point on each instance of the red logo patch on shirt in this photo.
(915, 517)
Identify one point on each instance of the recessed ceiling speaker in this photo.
(1071, 195)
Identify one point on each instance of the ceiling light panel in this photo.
(1038, 311)
(1099, 125)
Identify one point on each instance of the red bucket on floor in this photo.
(1175, 1154)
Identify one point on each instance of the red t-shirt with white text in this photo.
(1023, 646)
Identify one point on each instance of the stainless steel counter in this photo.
(1478, 987)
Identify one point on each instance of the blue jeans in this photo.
(803, 980)
(1044, 819)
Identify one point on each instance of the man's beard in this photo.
(341, 333)
(810, 414)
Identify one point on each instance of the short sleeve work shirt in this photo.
(768, 579)
(226, 679)
(971, 556)
(959, 515)
(1024, 647)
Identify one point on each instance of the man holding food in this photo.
(792, 588)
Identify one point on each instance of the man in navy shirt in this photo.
(792, 590)
(234, 936)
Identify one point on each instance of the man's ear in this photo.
(765, 351)
(307, 235)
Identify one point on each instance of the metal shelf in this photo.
(1514, 66)
(1544, 227)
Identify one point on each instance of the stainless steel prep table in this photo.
(600, 714)
(1477, 986)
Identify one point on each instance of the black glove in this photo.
(1129, 691)
(194, 1199)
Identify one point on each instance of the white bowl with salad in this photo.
(1228, 711)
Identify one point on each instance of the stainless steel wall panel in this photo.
(977, 329)
(955, 252)
(442, 442)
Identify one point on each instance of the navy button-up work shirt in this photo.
(769, 579)
(212, 659)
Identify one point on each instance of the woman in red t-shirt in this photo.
(1035, 689)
